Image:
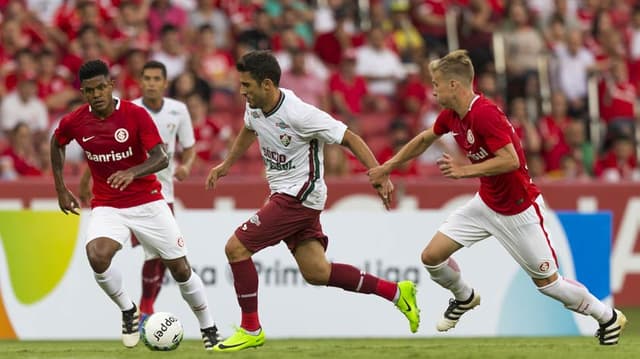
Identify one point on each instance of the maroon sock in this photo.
(152, 276)
(352, 279)
(245, 280)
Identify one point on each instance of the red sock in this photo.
(352, 279)
(152, 276)
(245, 280)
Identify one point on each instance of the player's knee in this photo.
(235, 250)
(180, 270)
(99, 257)
(430, 258)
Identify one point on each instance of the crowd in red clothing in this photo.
(367, 66)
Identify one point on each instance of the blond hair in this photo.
(455, 64)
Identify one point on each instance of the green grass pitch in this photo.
(434, 347)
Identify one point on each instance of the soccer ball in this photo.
(162, 331)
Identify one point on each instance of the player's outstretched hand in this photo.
(68, 202)
(449, 168)
(378, 175)
(215, 174)
(385, 191)
(120, 179)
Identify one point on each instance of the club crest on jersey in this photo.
(121, 135)
(470, 137)
(255, 114)
(285, 139)
(255, 220)
(281, 125)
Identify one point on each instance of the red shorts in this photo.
(282, 218)
(134, 240)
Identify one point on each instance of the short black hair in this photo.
(261, 65)
(153, 64)
(93, 68)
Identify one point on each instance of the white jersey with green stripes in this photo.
(291, 139)
(173, 122)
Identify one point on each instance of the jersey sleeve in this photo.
(247, 118)
(494, 127)
(147, 129)
(63, 132)
(319, 124)
(441, 126)
(185, 129)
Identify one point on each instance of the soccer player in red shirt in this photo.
(124, 149)
(508, 205)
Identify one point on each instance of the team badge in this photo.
(180, 242)
(121, 135)
(470, 137)
(285, 139)
(281, 125)
(255, 114)
(544, 266)
(255, 220)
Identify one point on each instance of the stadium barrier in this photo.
(45, 277)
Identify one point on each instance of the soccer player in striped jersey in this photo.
(291, 135)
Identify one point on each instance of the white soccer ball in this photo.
(162, 331)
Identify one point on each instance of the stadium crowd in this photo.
(366, 63)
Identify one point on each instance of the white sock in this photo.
(193, 293)
(577, 298)
(111, 283)
(447, 274)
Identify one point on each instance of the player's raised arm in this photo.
(66, 200)
(157, 160)
(363, 153)
(240, 145)
(409, 151)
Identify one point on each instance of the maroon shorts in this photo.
(134, 240)
(282, 218)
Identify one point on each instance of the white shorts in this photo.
(523, 235)
(152, 223)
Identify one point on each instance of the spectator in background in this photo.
(24, 66)
(291, 43)
(212, 139)
(215, 65)
(619, 162)
(187, 83)
(132, 24)
(379, 65)
(524, 127)
(415, 97)
(304, 83)
(256, 34)
(405, 36)
(551, 129)
(617, 98)
(430, 19)
(579, 147)
(207, 13)
(348, 91)
(331, 46)
(163, 13)
(172, 52)
(54, 83)
(633, 44)
(128, 80)
(399, 135)
(336, 164)
(22, 151)
(523, 47)
(486, 84)
(23, 106)
(575, 63)
(476, 26)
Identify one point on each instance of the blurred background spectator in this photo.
(565, 71)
